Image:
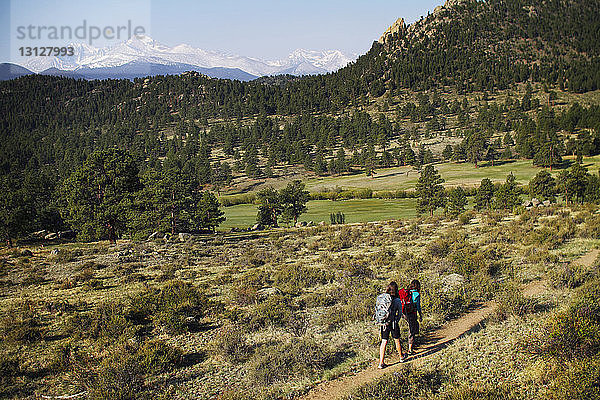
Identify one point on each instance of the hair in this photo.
(415, 285)
(392, 289)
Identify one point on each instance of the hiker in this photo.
(411, 315)
(388, 313)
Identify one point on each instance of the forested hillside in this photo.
(488, 80)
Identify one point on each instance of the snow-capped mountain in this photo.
(141, 50)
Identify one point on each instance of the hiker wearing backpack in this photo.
(388, 311)
(411, 306)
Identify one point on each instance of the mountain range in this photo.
(143, 56)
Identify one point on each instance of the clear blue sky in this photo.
(260, 28)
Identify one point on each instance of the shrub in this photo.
(10, 364)
(21, 324)
(484, 391)
(230, 343)
(11, 369)
(438, 248)
(511, 301)
(106, 321)
(65, 255)
(591, 228)
(244, 290)
(295, 277)
(119, 377)
(276, 309)
(577, 380)
(407, 383)
(156, 357)
(175, 307)
(574, 333)
(466, 217)
(567, 275)
(355, 301)
(296, 359)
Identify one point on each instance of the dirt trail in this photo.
(435, 341)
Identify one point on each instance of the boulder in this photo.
(546, 203)
(527, 203)
(51, 236)
(40, 234)
(452, 282)
(322, 223)
(256, 227)
(310, 223)
(155, 235)
(54, 252)
(300, 224)
(185, 237)
(535, 202)
(266, 292)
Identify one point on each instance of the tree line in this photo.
(108, 196)
(575, 185)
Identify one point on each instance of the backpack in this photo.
(405, 296)
(383, 304)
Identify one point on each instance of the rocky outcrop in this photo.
(397, 28)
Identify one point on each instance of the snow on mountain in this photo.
(144, 49)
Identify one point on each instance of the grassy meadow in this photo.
(356, 210)
(455, 174)
(269, 317)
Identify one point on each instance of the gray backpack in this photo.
(383, 305)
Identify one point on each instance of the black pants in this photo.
(413, 327)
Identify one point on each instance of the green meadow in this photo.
(455, 174)
(367, 210)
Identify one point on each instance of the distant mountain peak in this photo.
(144, 49)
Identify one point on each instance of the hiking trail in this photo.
(435, 341)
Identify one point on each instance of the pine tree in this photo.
(484, 195)
(430, 192)
(507, 196)
(447, 153)
(457, 201)
(293, 199)
(269, 207)
(369, 161)
(15, 213)
(99, 195)
(207, 214)
(543, 186)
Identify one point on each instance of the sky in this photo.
(267, 29)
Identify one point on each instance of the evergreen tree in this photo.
(543, 186)
(573, 183)
(430, 192)
(99, 195)
(507, 195)
(484, 195)
(447, 153)
(507, 154)
(293, 199)
(475, 145)
(269, 207)
(369, 161)
(15, 213)
(457, 201)
(207, 214)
